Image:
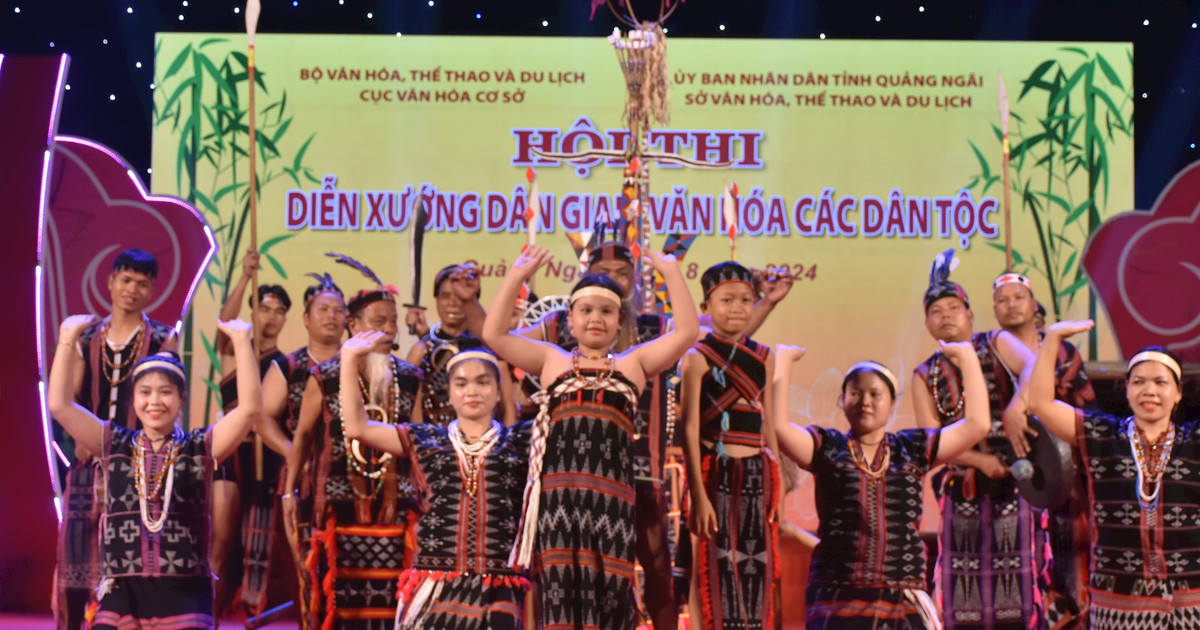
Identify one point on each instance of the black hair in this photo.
(275, 289)
(599, 280)
(856, 372)
(494, 367)
(443, 275)
(139, 260)
(722, 272)
(1039, 309)
(326, 284)
(166, 356)
(1156, 349)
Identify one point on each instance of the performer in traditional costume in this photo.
(868, 570)
(987, 561)
(733, 476)
(238, 497)
(364, 505)
(580, 496)
(456, 294)
(155, 522)
(471, 475)
(1141, 482)
(1065, 581)
(283, 391)
(654, 423)
(101, 365)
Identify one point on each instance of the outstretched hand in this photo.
(530, 260)
(73, 326)
(464, 282)
(775, 284)
(361, 344)
(1062, 330)
(236, 329)
(785, 354)
(957, 351)
(662, 262)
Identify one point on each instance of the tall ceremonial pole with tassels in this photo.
(729, 213)
(533, 207)
(1004, 111)
(253, 8)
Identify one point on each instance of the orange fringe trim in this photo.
(330, 540)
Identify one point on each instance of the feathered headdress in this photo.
(940, 285)
(324, 285)
(366, 296)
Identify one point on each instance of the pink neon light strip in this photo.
(39, 340)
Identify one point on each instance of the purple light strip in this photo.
(38, 300)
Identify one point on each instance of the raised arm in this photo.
(973, 427)
(464, 282)
(84, 427)
(659, 354)
(354, 415)
(794, 441)
(528, 354)
(1058, 416)
(1019, 359)
(229, 432)
(776, 284)
(927, 417)
(275, 396)
(233, 301)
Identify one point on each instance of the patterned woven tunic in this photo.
(435, 388)
(739, 565)
(362, 527)
(988, 557)
(870, 551)
(178, 552)
(1145, 559)
(78, 560)
(585, 527)
(464, 541)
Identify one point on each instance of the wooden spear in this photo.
(253, 8)
(1008, 251)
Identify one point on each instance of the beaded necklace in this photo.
(471, 454)
(935, 371)
(1149, 473)
(860, 459)
(167, 471)
(593, 382)
(123, 368)
(357, 462)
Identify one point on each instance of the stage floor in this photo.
(15, 621)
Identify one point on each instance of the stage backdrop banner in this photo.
(856, 163)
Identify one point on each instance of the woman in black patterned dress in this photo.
(577, 531)
(1142, 490)
(471, 473)
(868, 570)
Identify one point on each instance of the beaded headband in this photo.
(1012, 278)
(1158, 357)
(159, 361)
(596, 291)
(468, 355)
(877, 368)
(723, 273)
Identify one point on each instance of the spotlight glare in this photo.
(112, 97)
(137, 65)
(237, 9)
(1145, 22)
(67, 86)
(545, 23)
(921, 9)
(478, 16)
(129, 9)
(822, 35)
(180, 17)
(16, 9)
(878, 18)
(370, 15)
(722, 27)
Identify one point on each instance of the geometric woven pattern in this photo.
(585, 528)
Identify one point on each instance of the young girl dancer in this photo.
(579, 499)
(155, 529)
(868, 571)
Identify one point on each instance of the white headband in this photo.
(878, 368)
(1012, 278)
(467, 355)
(597, 291)
(157, 363)
(1158, 357)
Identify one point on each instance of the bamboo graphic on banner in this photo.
(1060, 166)
(201, 99)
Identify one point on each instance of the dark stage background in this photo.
(110, 83)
